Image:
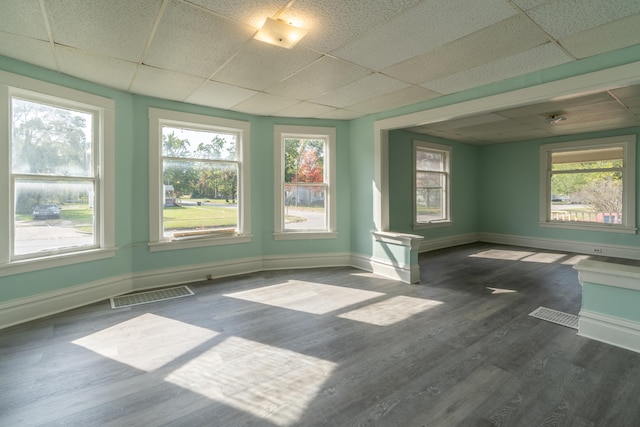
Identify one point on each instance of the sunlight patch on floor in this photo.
(497, 291)
(268, 382)
(526, 256)
(308, 297)
(390, 311)
(146, 342)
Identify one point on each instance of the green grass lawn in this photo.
(198, 217)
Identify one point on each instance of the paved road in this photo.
(43, 235)
(314, 220)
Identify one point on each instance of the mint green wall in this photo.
(464, 186)
(132, 195)
(611, 300)
(510, 192)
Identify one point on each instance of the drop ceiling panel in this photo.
(372, 86)
(627, 92)
(324, 75)
(116, 28)
(193, 49)
(249, 12)
(305, 109)
(422, 28)
(561, 18)
(23, 18)
(331, 24)
(26, 49)
(341, 114)
(219, 95)
(407, 96)
(264, 104)
(111, 72)
(174, 86)
(505, 38)
(260, 65)
(481, 119)
(535, 59)
(615, 35)
(546, 108)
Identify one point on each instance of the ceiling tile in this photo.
(23, 18)
(187, 40)
(505, 38)
(627, 92)
(372, 86)
(341, 114)
(324, 75)
(260, 65)
(25, 49)
(249, 12)
(545, 108)
(173, 86)
(116, 28)
(481, 119)
(422, 28)
(111, 72)
(305, 109)
(264, 104)
(219, 95)
(528, 4)
(399, 98)
(561, 18)
(535, 59)
(331, 24)
(611, 36)
(632, 102)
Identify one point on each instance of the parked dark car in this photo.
(46, 211)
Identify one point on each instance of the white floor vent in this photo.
(554, 316)
(150, 296)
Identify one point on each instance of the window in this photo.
(589, 184)
(305, 189)
(431, 184)
(199, 180)
(59, 157)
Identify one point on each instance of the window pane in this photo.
(53, 215)
(304, 160)
(50, 140)
(429, 204)
(429, 161)
(199, 198)
(198, 144)
(304, 207)
(587, 197)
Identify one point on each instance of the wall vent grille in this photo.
(554, 316)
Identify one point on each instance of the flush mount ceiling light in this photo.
(280, 33)
(555, 118)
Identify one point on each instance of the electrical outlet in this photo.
(597, 251)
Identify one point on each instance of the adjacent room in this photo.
(387, 212)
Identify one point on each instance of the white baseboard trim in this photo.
(446, 242)
(617, 251)
(610, 330)
(30, 308)
(384, 268)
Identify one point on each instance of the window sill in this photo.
(305, 235)
(611, 228)
(198, 242)
(434, 224)
(42, 263)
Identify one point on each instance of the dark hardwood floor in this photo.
(330, 347)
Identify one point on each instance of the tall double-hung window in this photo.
(432, 184)
(305, 183)
(589, 184)
(58, 191)
(199, 180)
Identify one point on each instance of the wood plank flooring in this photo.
(330, 347)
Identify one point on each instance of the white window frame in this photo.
(628, 143)
(159, 118)
(281, 132)
(419, 145)
(102, 110)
